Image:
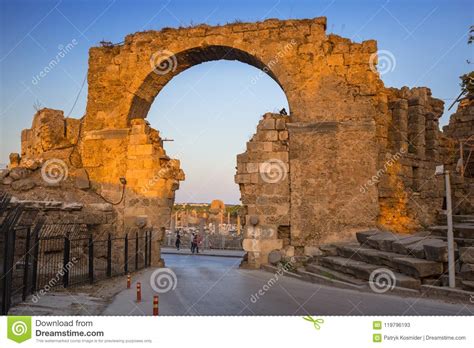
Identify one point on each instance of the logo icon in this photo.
(163, 62)
(382, 280)
(273, 171)
(385, 60)
(163, 280)
(317, 322)
(54, 170)
(19, 329)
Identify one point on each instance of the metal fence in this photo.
(209, 241)
(40, 256)
(73, 258)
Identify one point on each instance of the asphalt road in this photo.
(207, 285)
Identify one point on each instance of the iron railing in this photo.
(38, 256)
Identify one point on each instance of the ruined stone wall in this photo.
(333, 147)
(410, 195)
(461, 130)
(50, 133)
(263, 178)
(59, 163)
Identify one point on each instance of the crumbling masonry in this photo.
(351, 155)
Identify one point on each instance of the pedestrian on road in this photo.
(178, 240)
(198, 242)
(193, 244)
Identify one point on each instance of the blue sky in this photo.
(427, 39)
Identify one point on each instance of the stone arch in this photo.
(339, 117)
(181, 61)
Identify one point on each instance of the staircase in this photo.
(405, 261)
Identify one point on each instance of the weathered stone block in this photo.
(269, 135)
(312, 251)
(467, 271)
(19, 173)
(280, 124)
(335, 59)
(363, 235)
(274, 257)
(419, 268)
(266, 124)
(23, 185)
(401, 246)
(436, 250)
(283, 135)
(466, 254)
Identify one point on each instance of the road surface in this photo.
(207, 285)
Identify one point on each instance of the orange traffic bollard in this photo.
(128, 281)
(139, 292)
(155, 305)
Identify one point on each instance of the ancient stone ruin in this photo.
(351, 155)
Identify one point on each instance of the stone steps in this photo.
(441, 219)
(363, 271)
(460, 230)
(332, 274)
(467, 285)
(421, 245)
(460, 242)
(411, 261)
(412, 266)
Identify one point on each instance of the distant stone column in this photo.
(173, 226)
(239, 227)
(201, 226)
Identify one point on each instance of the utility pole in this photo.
(449, 215)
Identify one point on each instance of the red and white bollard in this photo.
(155, 305)
(129, 281)
(139, 292)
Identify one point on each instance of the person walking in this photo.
(193, 245)
(178, 240)
(198, 242)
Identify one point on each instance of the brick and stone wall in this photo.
(263, 178)
(409, 193)
(59, 163)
